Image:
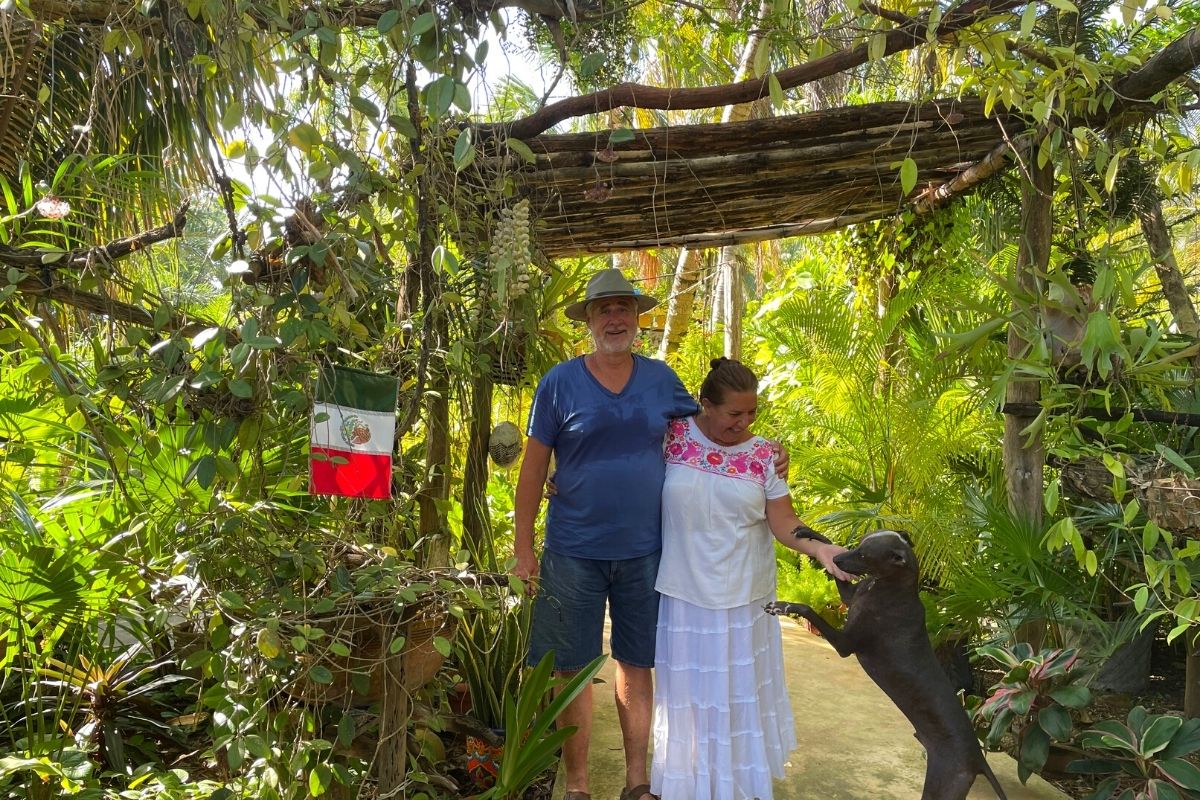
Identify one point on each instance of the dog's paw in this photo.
(779, 609)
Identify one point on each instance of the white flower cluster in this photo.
(509, 256)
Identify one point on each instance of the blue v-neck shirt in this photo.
(608, 456)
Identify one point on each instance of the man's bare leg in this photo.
(635, 702)
(575, 749)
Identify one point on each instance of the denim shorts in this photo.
(568, 613)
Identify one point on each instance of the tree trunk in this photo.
(1158, 238)
(435, 488)
(733, 298)
(885, 290)
(431, 527)
(476, 523)
(1191, 683)
(681, 301)
(733, 257)
(1024, 458)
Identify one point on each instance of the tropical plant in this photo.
(531, 745)
(1010, 579)
(1032, 701)
(491, 648)
(1149, 750)
(878, 428)
(113, 707)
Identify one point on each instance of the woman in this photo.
(722, 719)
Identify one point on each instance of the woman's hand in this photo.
(825, 553)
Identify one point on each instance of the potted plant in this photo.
(531, 744)
(1149, 751)
(490, 651)
(1032, 701)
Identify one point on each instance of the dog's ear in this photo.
(904, 535)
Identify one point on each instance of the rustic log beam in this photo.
(698, 138)
(876, 150)
(1161, 70)
(724, 238)
(653, 97)
(995, 161)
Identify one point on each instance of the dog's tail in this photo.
(991, 776)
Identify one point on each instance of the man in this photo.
(603, 416)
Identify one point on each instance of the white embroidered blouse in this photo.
(717, 549)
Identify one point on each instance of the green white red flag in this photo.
(353, 433)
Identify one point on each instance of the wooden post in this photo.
(391, 755)
(1025, 457)
(733, 298)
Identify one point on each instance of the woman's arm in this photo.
(782, 520)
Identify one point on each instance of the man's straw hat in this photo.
(604, 284)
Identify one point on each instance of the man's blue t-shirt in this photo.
(608, 453)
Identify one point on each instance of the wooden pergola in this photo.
(731, 183)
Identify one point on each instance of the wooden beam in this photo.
(1030, 410)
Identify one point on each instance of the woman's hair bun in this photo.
(716, 362)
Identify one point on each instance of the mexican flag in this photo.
(353, 431)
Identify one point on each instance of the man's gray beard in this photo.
(606, 347)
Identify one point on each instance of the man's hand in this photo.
(782, 459)
(526, 568)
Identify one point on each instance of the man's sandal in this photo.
(637, 792)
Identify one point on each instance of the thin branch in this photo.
(1033, 54)
(888, 14)
(37, 281)
(34, 258)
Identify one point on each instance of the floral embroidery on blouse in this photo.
(750, 463)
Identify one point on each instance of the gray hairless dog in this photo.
(885, 629)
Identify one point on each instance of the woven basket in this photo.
(1172, 502)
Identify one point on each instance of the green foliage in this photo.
(1011, 578)
(878, 429)
(1150, 750)
(1032, 701)
(800, 581)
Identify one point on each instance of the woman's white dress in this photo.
(723, 722)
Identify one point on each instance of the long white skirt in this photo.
(723, 723)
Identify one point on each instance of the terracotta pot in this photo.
(459, 698)
(360, 676)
